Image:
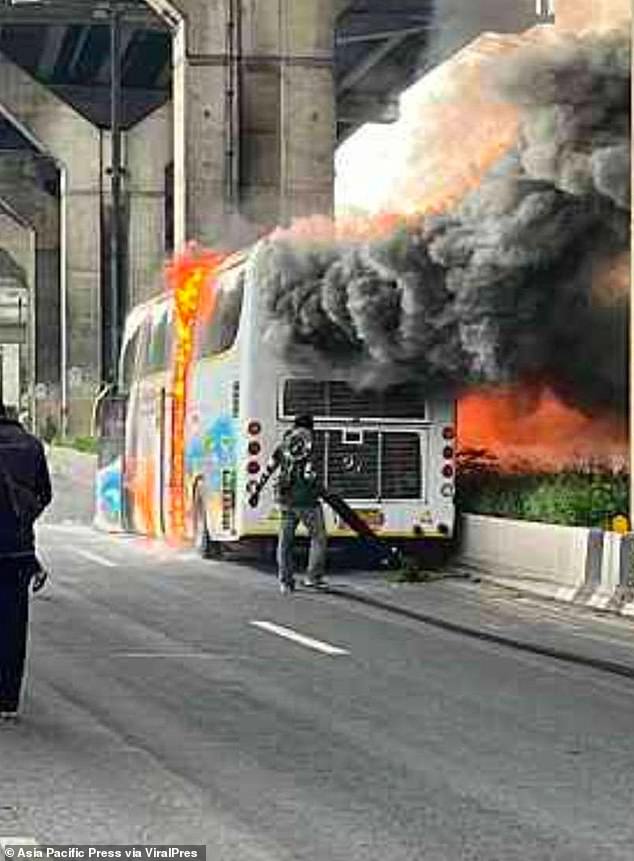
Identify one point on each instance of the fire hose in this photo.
(390, 554)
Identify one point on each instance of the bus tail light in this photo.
(254, 427)
(447, 470)
(447, 452)
(253, 467)
(254, 447)
(448, 432)
(446, 490)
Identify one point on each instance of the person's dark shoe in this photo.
(312, 581)
(287, 587)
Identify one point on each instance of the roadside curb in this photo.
(612, 667)
(615, 602)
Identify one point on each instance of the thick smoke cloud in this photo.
(502, 288)
(575, 101)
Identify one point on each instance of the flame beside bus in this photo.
(190, 277)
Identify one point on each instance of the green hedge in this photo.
(85, 444)
(588, 495)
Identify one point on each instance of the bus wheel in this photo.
(207, 548)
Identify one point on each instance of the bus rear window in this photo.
(219, 332)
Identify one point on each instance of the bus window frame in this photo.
(159, 317)
(239, 275)
(143, 371)
(133, 342)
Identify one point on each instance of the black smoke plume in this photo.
(502, 288)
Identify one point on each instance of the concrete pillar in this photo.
(17, 237)
(199, 100)
(254, 115)
(288, 110)
(145, 188)
(19, 189)
(56, 129)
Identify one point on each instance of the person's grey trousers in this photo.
(313, 520)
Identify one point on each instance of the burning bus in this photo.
(205, 396)
(509, 274)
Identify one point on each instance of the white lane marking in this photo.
(93, 557)
(203, 655)
(289, 634)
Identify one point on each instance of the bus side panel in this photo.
(211, 452)
(109, 475)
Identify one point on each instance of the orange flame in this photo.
(190, 276)
(524, 428)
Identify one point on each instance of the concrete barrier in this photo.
(567, 563)
(616, 589)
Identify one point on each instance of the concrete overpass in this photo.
(239, 105)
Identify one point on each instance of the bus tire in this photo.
(203, 543)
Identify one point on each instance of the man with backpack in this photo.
(25, 491)
(297, 492)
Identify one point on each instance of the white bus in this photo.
(389, 454)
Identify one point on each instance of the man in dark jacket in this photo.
(298, 491)
(25, 491)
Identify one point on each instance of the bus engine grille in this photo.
(384, 465)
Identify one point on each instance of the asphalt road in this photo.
(158, 712)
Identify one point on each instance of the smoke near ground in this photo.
(503, 287)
